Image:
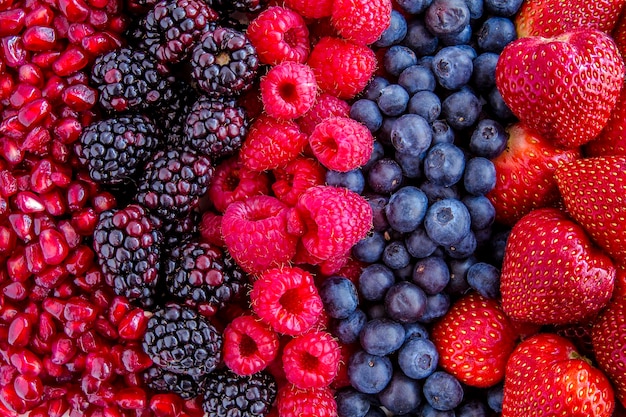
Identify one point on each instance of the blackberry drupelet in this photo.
(128, 245)
(215, 128)
(232, 395)
(161, 380)
(224, 63)
(181, 341)
(173, 182)
(114, 150)
(128, 79)
(180, 231)
(203, 276)
(172, 117)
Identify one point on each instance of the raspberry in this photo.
(279, 34)
(335, 219)
(233, 181)
(249, 345)
(297, 176)
(255, 233)
(294, 402)
(342, 68)
(326, 105)
(272, 143)
(211, 228)
(361, 21)
(313, 9)
(341, 144)
(288, 90)
(287, 299)
(311, 360)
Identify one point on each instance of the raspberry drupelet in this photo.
(249, 345)
(361, 21)
(311, 360)
(288, 90)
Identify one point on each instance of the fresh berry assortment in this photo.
(334, 208)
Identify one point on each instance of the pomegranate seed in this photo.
(32, 311)
(118, 24)
(53, 88)
(41, 411)
(77, 196)
(8, 238)
(71, 60)
(120, 306)
(45, 59)
(19, 331)
(8, 183)
(74, 10)
(98, 4)
(80, 260)
(39, 38)
(193, 407)
(166, 405)
(99, 43)
(41, 15)
(8, 313)
(133, 325)
(6, 85)
(47, 327)
(28, 388)
(37, 140)
(104, 397)
(11, 400)
(12, 22)
(63, 350)
(134, 359)
(16, 291)
(24, 93)
(99, 366)
(79, 309)
(11, 150)
(64, 290)
(14, 52)
(105, 329)
(103, 201)
(99, 19)
(22, 224)
(41, 177)
(102, 296)
(77, 365)
(133, 380)
(33, 113)
(80, 97)
(51, 277)
(74, 329)
(54, 306)
(54, 370)
(90, 342)
(111, 411)
(60, 153)
(28, 202)
(53, 246)
(31, 74)
(68, 129)
(80, 77)
(88, 281)
(7, 373)
(77, 31)
(26, 362)
(131, 398)
(54, 204)
(17, 267)
(85, 221)
(13, 129)
(57, 407)
(35, 261)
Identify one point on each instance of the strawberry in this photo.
(553, 17)
(563, 87)
(619, 34)
(545, 376)
(525, 174)
(551, 272)
(594, 193)
(611, 140)
(474, 340)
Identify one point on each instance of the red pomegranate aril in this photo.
(79, 261)
(57, 407)
(134, 359)
(90, 342)
(79, 309)
(15, 291)
(31, 74)
(11, 150)
(105, 329)
(7, 373)
(54, 203)
(28, 387)
(45, 59)
(54, 306)
(85, 221)
(14, 52)
(53, 246)
(40, 411)
(8, 239)
(51, 277)
(120, 306)
(59, 151)
(20, 330)
(34, 113)
(67, 129)
(98, 4)
(111, 411)
(99, 19)
(35, 261)
(54, 370)
(24, 93)
(166, 405)
(22, 224)
(63, 350)
(103, 397)
(89, 384)
(193, 407)
(11, 400)
(39, 38)
(99, 366)
(41, 177)
(41, 15)
(103, 201)
(47, 327)
(8, 183)
(8, 313)
(100, 43)
(77, 196)
(133, 380)
(102, 296)
(53, 88)
(41, 222)
(6, 85)
(37, 141)
(132, 398)
(80, 97)
(71, 60)
(77, 31)
(28, 202)
(74, 10)
(12, 21)
(133, 325)
(73, 329)
(64, 290)
(26, 362)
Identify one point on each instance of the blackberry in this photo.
(204, 276)
(180, 231)
(173, 182)
(173, 116)
(215, 128)
(181, 341)
(161, 380)
(246, 6)
(128, 79)
(115, 149)
(224, 63)
(128, 244)
(232, 395)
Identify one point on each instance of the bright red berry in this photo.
(288, 90)
(249, 345)
(311, 360)
(313, 9)
(326, 105)
(294, 402)
(297, 176)
(211, 228)
(361, 21)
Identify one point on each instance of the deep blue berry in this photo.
(447, 17)
(419, 244)
(397, 58)
(472, 408)
(393, 100)
(370, 248)
(374, 282)
(414, 6)
(497, 105)
(503, 7)
(480, 176)
(443, 391)
(452, 67)
(406, 209)
(458, 275)
(461, 38)
(495, 396)
(384, 133)
(476, 8)
(436, 192)
(411, 133)
(347, 330)
(418, 357)
(488, 139)
(495, 33)
(436, 307)
(339, 296)
(405, 302)
(352, 403)
(498, 245)
(404, 274)
(414, 331)
(372, 90)
(447, 221)
(469, 50)
(428, 411)
(484, 74)
(375, 411)
(431, 274)
(463, 248)
(419, 39)
(426, 104)
(395, 255)
(395, 32)
(352, 180)
(376, 311)
(417, 78)
(461, 109)
(411, 164)
(426, 61)
(381, 336)
(367, 112)
(442, 133)
(402, 395)
(378, 203)
(385, 176)
(378, 152)
(369, 373)
(485, 279)
(444, 164)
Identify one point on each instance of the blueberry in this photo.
(458, 275)
(503, 7)
(352, 403)
(370, 248)
(375, 412)
(417, 78)
(452, 67)
(469, 51)
(444, 164)
(488, 139)
(395, 255)
(397, 58)
(476, 8)
(395, 32)
(414, 7)
(426, 104)
(402, 395)
(384, 133)
(347, 330)
(404, 274)
(461, 109)
(499, 108)
(429, 411)
(447, 221)
(367, 112)
(339, 296)
(415, 331)
(419, 39)
(495, 395)
(447, 17)
(352, 180)
(443, 391)
(369, 374)
(411, 164)
(378, 152)
(431, 274)
(436, 192)
(411, 133)
(498, 244)
(495, 33)
(418, 358)
(405, 302)
(461, 38)
(484, 74)
(426, 61)
(485, 279)
(436, 307)
(406, 209)
(381, 336)
(376, 311)
(442, 133)
(373, 88)
(419, 244)
(463, 248)
(385, 176)
(472, 408)
(393, 100)
(378, 203)
(480, 176)
(374, 282)
(482, 213)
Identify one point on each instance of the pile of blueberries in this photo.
(438, 120)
